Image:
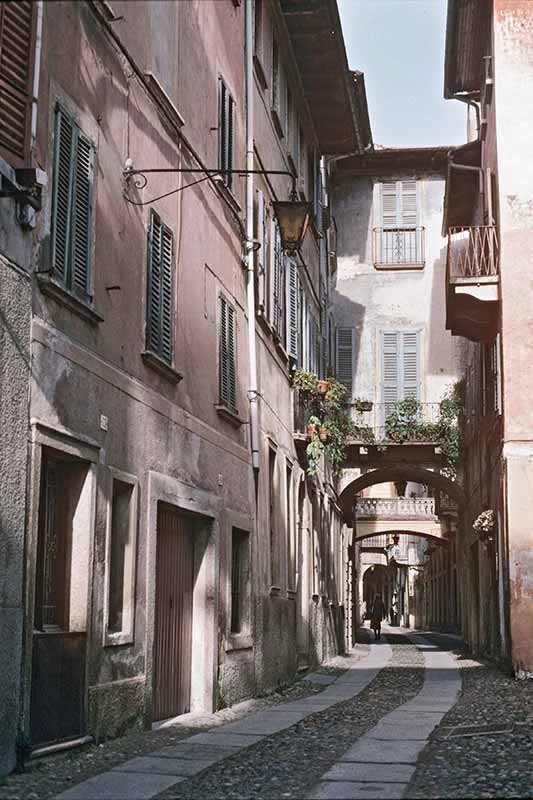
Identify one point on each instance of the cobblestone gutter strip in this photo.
(484, 745)
(287, 764)
(47, 777)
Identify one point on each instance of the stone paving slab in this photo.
(410, 732)
(201, 752)
(378, 751)
(344, 790)
(265, 724)
(370, 773)
(119, 785)
(319, 678)
(239, 740)
(164, 766)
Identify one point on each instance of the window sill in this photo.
(239, 641)
(292, 594)
(395, 267)
(227, 194)
(156, 363)
(117, 639)
(275, 591)
(49, 287)
(230, 416)
(277, 122)
(260, 72)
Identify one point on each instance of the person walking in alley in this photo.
(378, 611)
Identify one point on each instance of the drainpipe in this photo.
(249, 255)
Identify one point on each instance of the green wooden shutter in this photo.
(72, 207)
(62, 195)
(292, 281)
(230, 108)
(17, 24)
(222, 125)
(260, 254)
(226, 113)
(82, 200)
(344, 358)
(227, 354)
(159, 337)
(410, 365)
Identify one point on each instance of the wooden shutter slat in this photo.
(345, 342)
(167, 270)
(292, 282)
(82, 214)
(17, 22)
(154, 285)
(260, 256)
(62, 201)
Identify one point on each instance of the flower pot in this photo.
(310, 430)
(322, 432)
(323, 386)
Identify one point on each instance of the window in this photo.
(398, 240)
(258, 27)
(288, 119)
(272, 496)
(345, 358)
(491, 376)
(227, 355)
(226, 114)
(400, 367)
(159, 325)
(17, 33)
(120, 562)
(260, 253)
(275, 76)
(240, 560)
(72, 209)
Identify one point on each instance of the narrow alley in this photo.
(410, 716)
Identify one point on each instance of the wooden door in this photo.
(173, 614)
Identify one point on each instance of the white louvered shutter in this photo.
(260, 254)
(389, 205)
(390, 370)
(277, 279)
(409, 205)
(292, 284)
(410, 365)
(345, 354)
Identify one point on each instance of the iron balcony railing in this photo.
(395, 508)
(376, 418)
(473, 252)
(399, 246)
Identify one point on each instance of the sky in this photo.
(399, 45)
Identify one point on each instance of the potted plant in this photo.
(362, 405)
(312, 424)
(323, 386)
(323, 433)
(484, 525)
(314, 451)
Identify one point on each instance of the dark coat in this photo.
(378, 611)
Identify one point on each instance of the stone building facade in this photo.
(149, 564)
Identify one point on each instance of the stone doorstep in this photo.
(370, 773)
(119, 785)
(352, 790)
(151, 764)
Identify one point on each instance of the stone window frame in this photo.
(127, 634)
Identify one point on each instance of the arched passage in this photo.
(399, 472)
(400, 531)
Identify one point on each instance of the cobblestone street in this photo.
(411, 716)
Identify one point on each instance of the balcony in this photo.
(395, 508)
(472, 278)
(399, 248)
(376, 418)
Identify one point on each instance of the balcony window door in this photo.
(400, 368)
(398, 241)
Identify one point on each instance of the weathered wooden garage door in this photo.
(173, 614)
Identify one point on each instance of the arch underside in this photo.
(400, 530)
(399, 472)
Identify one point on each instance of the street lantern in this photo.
(293, 217)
